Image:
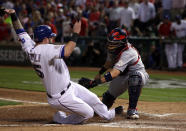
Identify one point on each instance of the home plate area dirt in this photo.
(36, 114)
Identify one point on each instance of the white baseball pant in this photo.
(80, 103)
(180, 49)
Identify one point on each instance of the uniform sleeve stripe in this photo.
(62, 52)
(18, 31)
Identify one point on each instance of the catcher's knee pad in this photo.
(134, 89)
(108, 99)
(135, 79)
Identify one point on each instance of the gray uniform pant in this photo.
(120, 84)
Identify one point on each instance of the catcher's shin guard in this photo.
(134, 89)
(108, 99)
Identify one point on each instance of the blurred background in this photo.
(157, 28)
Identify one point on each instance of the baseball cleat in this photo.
(57, 118)
(132, 114)
(119, 110)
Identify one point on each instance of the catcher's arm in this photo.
(104, 68)
(110, 75)
(106, 78)
(108, 64)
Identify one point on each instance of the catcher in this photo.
(128, 72)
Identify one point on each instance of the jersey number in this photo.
(37, 69)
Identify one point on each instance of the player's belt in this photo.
(61, 92)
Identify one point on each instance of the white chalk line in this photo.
(23, 101)
(43, 103)
(122, 124)
(160, 115)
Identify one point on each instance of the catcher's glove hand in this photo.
(2, 11)
(86, 82)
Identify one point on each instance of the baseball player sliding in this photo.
(47, 60)
(128, 72)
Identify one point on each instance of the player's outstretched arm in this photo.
(86, 82)
(15, 20)
(72, 43)
(23, 36)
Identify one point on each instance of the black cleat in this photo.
(119, 110)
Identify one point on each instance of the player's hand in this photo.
(77, 26)
(4, 11)
(9, 11)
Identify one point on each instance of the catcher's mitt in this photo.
(86, 82)
(2, 11)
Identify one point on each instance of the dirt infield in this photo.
(36, 114)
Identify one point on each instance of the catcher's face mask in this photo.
(113, 46)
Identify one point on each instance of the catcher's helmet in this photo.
(43, 31)
(117, 40)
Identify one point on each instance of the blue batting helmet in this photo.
(43, 31)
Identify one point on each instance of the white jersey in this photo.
(127, 15)
(180, 29)
(48, 63)
(146, 12)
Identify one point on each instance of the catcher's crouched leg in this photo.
(134, 89)
(108, 99)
